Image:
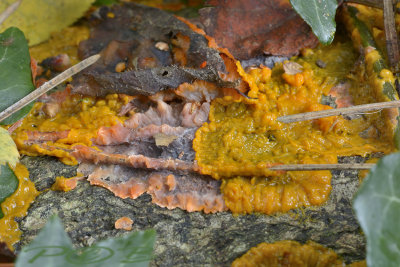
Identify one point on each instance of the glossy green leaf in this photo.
(320, 15)
(52, 247)
(8, 184)
(377, 206)
(15, 72)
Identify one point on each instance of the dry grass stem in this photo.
(360, 109)
(315, 167)
(9, 10)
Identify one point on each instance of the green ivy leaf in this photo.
(15, 72)
(52, 247)
(377, 206)
(320, 15)
(8, 184)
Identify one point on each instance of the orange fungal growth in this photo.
(289, 253)
(65, 184)
(276, 194)
(16, 206)
(243, 137)
(294, 79)
(77, 121)
(324, 124)
(124, 223)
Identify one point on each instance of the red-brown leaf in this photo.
(250, 28)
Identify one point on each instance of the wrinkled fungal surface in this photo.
(243, 137)
(147, 151)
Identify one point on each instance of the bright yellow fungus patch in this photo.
(78, 117)
(16, 206)
(244, 138)
(65, 184)
(291, 253)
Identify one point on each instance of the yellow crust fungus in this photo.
(16, 206)
(80, 116)
(291, 253)
(243, 137)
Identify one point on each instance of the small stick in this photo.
(315, 167)
(48, 86)
(9, 10)
(392, 45)
(338, 111)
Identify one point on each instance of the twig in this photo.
(338, 111)
(371, 3)
(314, 167)
(392, 45)
(48, 86)
(9, 10)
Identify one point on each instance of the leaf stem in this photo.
(48, 86)
(9, 10)
(315, 167)
(338, 111)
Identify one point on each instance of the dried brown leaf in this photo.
(250, 28)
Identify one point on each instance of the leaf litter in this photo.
(148, 68)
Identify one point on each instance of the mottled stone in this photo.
(187, 239)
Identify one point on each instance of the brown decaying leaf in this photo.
(132, 36)
(292, 68)
(250, 28)
(164, 139)
(6, 255)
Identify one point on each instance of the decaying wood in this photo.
(89, 213)
(314, 167)
(86, 154)
(48, 86)
(339, 111)
(9, 10)
(392, 42)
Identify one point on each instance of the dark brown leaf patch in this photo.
(158, 51)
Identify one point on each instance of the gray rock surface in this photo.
(191, 239)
